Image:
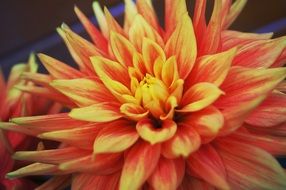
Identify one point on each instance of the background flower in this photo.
(162, 108)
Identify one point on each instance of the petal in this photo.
(34, 170)
(182, 44)
(258, 54)
(115, 137)
(249, 167)
(244, 90)
(211, 42)
(91, 181)
(101, 112)
(235, 10)
(133, 111)
(74, 136)
(183, 143)
(207, 164)
(100, 18)
(170, 71)
(139, 164)
(51, 156)
(102, 164)
(165, 175)
(149, 131)
(53, 122)
(96, 36)
(206, 122)
(112, 23)
(194, 183)
(199, 96)
(141, 29)
(270, 113)
(83, 91)
(122, 49)
(211, 68)
(147, 11)
(199, 20)
(231, 38)
(130, 14)
(174, 11)
(151, 51)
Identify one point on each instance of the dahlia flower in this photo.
(15, 103)
(191, 105)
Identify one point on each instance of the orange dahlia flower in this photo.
(15, 103)
(192, 105)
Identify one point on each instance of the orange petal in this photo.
(258, 54)
(102, 164)
(147, 11)
(174, 11)
(183, 143)
(211, 42)
(270, 113)
(83, 91)
(207, 164)
(182, 44)
(231, 38)
(51, 156)
(235, 10)
(139, 164)
(249, 167)
(100, 18)
(74, 136)
(112, 23)
(166, 174)
(244, 90)
(93, 32)
(195, 183)
(48, 122)
(101, 112)
(140, 29)
(148, 130)
(122, 49)
(206, 122)
(199, 96)
(199, 20)
(37, 78)
(216, 66)
(116, 137)
(34, 170)
(151, 51)
(91, 181)
(133, 111)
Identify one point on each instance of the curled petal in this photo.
(133, 111)
(155, 134)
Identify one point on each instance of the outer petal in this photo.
(84, 92)
(261, 53)
(167, 173)
(139, 164)
(191, 183)
(211, 68)
(89, 181)
(271, 112)
(249, 167)
(58, 182)
(235, 10)
(199, 96)
(116, 137)
(183, 45)
(184, 142)
(245, 89)
(207, 164)
(101, 112)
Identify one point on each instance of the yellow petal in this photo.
(156, 133)
(101, 112)
(183, 45)
(133, 111)
(116, 137)
(199, 96)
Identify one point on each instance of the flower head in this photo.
(188, 106)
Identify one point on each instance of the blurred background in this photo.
(29, 25)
